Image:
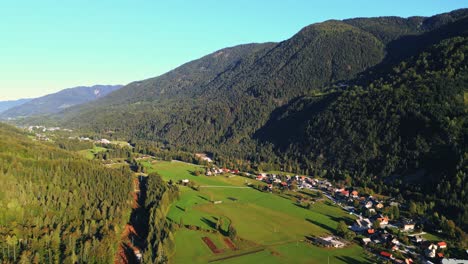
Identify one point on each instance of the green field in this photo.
(265, 221)
(89, 153)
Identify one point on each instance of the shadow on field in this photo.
(204, 198)
(209, 222)
(351, 260)
(329, 229)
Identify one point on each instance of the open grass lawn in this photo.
(89, 153)
(263, 219)
(432, 237)
(190, 248)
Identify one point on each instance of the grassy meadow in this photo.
(271, 224)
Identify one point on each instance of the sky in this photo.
(49, 45)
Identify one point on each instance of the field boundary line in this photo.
(237, 255)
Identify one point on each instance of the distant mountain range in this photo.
(5, 105)
(54, 103)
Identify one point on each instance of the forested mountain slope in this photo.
(404, 132)
(54, 103)
(223, 98)
(57, 207)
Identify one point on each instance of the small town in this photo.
(378, 225)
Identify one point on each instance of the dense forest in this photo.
(58, 207)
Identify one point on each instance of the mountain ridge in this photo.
(56, 102)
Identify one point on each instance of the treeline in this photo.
(73, 144)
(160, 239)
(114, 151)
(56, 206)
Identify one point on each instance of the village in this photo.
(378, 226)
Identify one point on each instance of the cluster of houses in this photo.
(98, 141)
(45, 129)
(372, 228)
(286, 181)
(217, 171)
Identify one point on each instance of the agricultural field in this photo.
(270, 228)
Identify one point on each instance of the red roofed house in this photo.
(370, 231)
(383, 220)
(440, 255)
(442, 244)
(284, 184)
(344, 193)
(355, 194)
(386, 254)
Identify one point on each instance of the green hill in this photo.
(56, 206)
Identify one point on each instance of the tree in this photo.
(342, 229)
(232, 232)
(376, 224)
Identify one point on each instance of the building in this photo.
(330, 241)
(442, 245)
(386, 254)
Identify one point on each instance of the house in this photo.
(431, 251)
(355, 194)
(386, 254)
(417, 239)
(407, 225)
(454, 261)
(361, 225)
(138, 254)
(366, 240)
(379, 206)
(368, 204)
(104, 141)
(442, 245)
(382, 219)
(370, 231)
(440, 255)
(185, 181)
(330, 241)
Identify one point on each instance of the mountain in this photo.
(54, 103)
(404, 132)
(5, 105)
(222, 99)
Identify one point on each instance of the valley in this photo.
(344, 142)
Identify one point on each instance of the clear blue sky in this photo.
(48, 45)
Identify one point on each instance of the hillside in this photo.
(57, 206)
(5, 105)
(54, 103)
(402, 133)
(225, 97)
